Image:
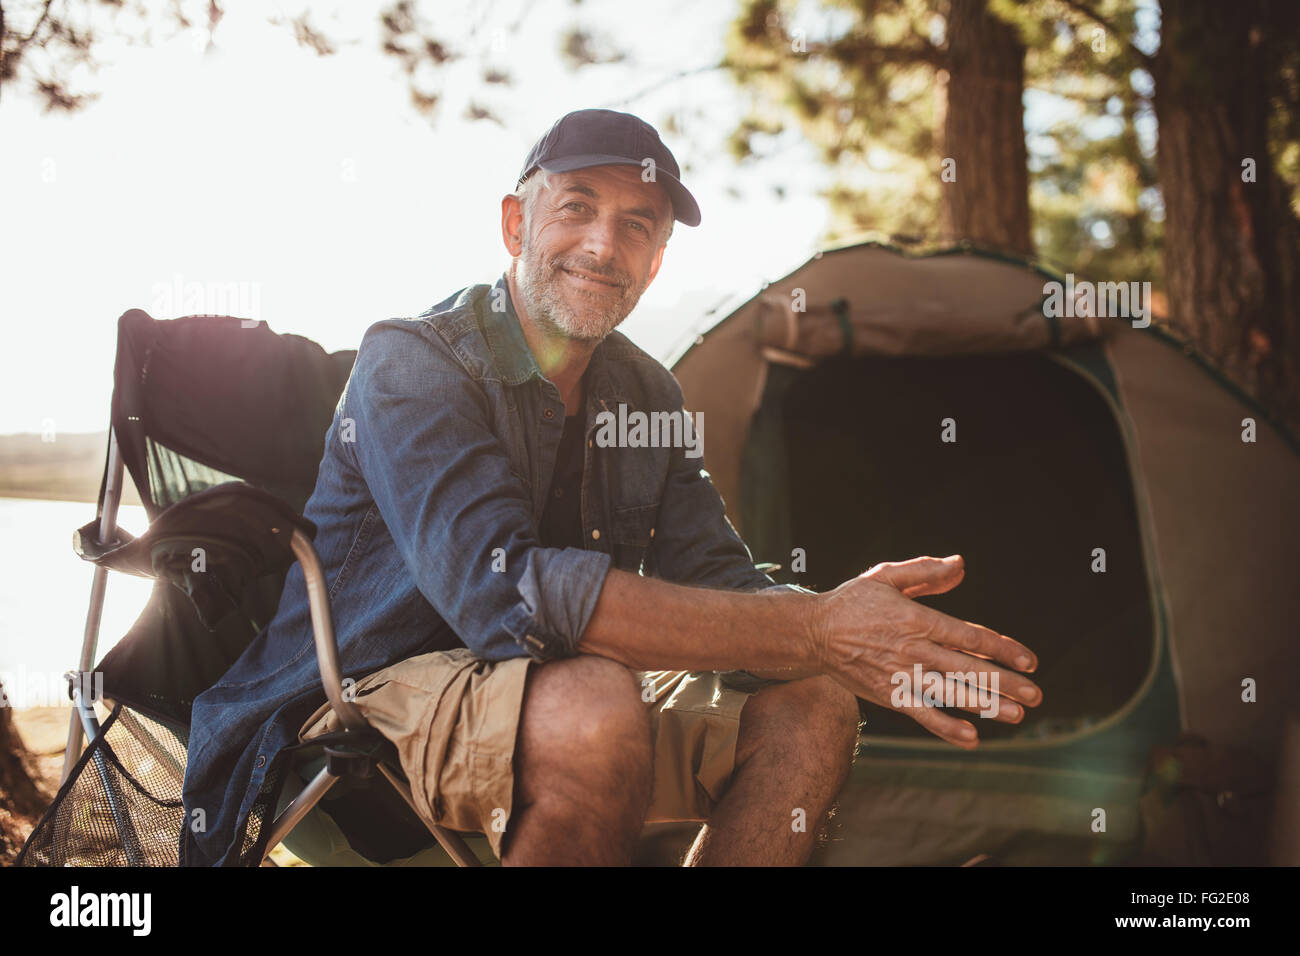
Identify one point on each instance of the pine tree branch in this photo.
(855, 49)
(1079, 7)
(1083, 99)
(20, 42)
(45, 12)
(665, 81)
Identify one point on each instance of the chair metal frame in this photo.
(84, 720)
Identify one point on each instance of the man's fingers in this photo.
(990, 702)
(920, 576)
(1004, 711)
(978, 640)
(936, 587)
(944, 727)
(941, 690)
(995, 680)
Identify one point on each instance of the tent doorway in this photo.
(1036, 479)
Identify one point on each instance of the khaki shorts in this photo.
(453, 719)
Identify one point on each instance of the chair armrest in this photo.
(238, 517)
(322, 627)
(240, 533)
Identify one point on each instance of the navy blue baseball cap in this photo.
(604, 138)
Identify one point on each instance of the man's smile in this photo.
(588, 279)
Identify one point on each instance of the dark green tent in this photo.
(826, 400)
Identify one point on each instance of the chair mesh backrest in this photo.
(205, 399)
(199, 401)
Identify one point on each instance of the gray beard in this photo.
(545, 302)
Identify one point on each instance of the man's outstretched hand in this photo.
(869, 629)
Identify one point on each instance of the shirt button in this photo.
(652, 532)
(595, 533)
(549, 413)
(261, 760)
(559, 492)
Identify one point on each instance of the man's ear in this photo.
(512, 224)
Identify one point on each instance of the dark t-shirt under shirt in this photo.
(561, 525)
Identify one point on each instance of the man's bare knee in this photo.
(584, 700)
(811, 717)
(584, 732)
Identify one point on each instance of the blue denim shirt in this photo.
(427, 500)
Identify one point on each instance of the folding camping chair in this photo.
(220, 423)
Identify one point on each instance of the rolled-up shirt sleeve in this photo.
(461, 518)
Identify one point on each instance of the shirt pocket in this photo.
(630, 534)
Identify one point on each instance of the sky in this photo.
(307, 192)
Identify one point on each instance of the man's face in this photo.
(591, 246)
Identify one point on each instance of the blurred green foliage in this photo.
(869, 90)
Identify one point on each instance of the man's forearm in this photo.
(650, 624)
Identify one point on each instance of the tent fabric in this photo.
(1226, 516)
(724, 378)
(953, 303)
(823, 433)
(935, 305)
(940, 823)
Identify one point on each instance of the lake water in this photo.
(45, 591)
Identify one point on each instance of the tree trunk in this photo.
(21, 802)
(984, 132)
(1230, 245)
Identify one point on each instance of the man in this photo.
(565, 640)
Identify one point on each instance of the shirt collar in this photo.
(505, 337)
(515, 361)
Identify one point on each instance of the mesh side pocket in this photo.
(121, 804)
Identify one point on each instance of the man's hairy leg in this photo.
(793, 754)
(582, 766)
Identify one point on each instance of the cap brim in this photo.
(685, 209)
